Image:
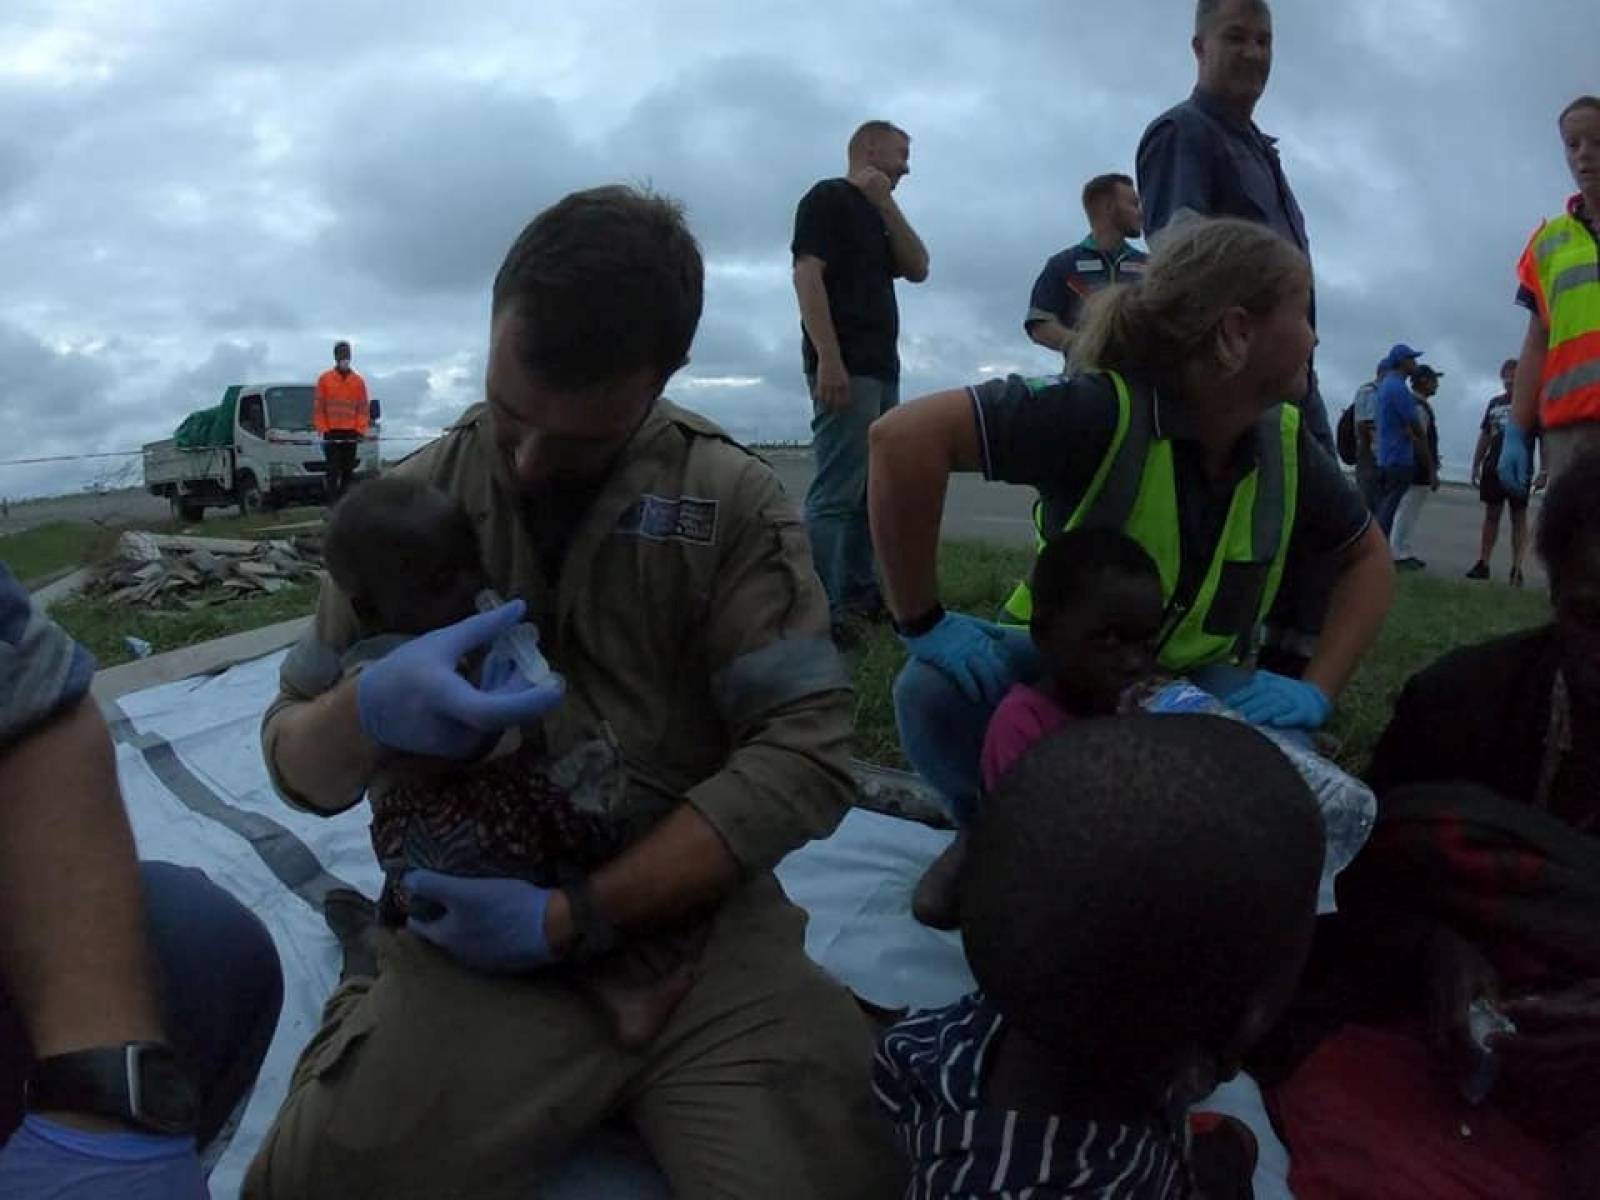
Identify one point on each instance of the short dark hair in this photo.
(1568, 520)
(338, 346)
(1135, 886)
(1205, 12)
(1581, 102)
(1101, 187)
(868, 130)
(395, 533)
(1509, 364)
(1071, 561)
(607, 282)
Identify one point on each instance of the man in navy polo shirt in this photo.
(1078, 272)
(1400, 437)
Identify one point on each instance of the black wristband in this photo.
(921, 623)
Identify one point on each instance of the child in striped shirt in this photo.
(1137, 905)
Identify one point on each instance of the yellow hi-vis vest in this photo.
(1134, 489)
(1561, 267)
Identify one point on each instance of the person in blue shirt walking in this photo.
(1400, 437)
(1103, 258)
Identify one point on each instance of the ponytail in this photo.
(1202, 269)
(1114, 329)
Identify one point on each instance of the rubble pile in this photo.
(162, 572)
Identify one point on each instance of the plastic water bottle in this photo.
(1484, 1020)
(1347, 805)
(520, 643)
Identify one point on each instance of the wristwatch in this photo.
(592, 934)
(137, 1082)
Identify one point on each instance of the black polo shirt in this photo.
(836, 223)
(1052, 434)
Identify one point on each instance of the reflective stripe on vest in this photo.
(1568, 266)
(1135, 490)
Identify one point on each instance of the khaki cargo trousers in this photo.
(434, 1081)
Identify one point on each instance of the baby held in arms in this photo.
(406, 555)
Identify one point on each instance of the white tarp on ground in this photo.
(190, 764)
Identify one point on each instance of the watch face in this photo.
(165, 1099)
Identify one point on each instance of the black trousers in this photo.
(339, 453)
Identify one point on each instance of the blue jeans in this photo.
(220, 989)
(1393, 483)
(941, 730)
(836, 503)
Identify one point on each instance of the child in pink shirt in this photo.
(1097, 611)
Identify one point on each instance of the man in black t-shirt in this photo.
(851, 242)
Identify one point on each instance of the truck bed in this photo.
(165, 463)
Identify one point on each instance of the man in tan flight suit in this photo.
(672, 584)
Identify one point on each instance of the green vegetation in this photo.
(35, 555)
(52, 549)
(227, 523)
(1430, 616)
(102, 626)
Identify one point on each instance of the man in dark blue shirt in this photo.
(1100, 260)
(1206, 158)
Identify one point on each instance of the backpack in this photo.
(1345, 436)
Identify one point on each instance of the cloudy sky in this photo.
(199, 192)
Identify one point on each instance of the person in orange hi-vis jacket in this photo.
(340, 415)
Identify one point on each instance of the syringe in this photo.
(520, 642)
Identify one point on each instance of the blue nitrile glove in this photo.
(1281, 702)
(414, 700)
(44, 1159)
(1516, 460)
(487, 924)
(968, 651)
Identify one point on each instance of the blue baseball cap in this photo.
(1398, 353)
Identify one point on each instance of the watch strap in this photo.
(921, 623)
(110, 1081)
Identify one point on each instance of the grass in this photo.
(47, 550)
(102, 626)
(1430, 616)
(36, 554)
(219, 526)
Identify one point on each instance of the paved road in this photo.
(132, 506)
(1447, 532)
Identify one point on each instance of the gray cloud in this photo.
(47, 387)
(193, 192)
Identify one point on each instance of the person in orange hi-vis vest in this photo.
(1558, 372)
(340, 415)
